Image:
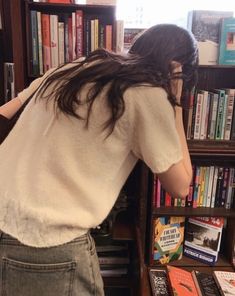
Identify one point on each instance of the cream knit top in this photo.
(59, 179)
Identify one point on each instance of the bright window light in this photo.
(145, 13)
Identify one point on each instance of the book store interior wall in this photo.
(150, 243)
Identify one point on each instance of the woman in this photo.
(73, 148)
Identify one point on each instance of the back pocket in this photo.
(29, 279)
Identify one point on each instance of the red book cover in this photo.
(167, 200)
(181, 282)
(79, 33)
(46, 41)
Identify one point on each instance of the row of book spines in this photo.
(161, 198)
(211, 115)
(60, 39)
(211, 187)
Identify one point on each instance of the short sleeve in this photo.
(31, 89)
(155, 139)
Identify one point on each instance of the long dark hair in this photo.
(149, 61)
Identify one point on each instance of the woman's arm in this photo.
(176, 180)
(9, 109)
(178, 177)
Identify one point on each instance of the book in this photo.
(181, 282)
(9, 81)
(229, 113)
(205, 284)
(225, 281)
(202, 238)
(34, 49)
(129, 36)
(227, 42)
(46, 41)
(168, 235)
(159, 282)
(119, 36)
(205, 25)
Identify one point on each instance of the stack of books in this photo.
(179, 282)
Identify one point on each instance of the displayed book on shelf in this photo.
(181, 282)
(168, 236)
(129, 36)
(225, 281)
(177, 281)
(227, 42)
(205, 284)
(159, 282)
(205, 25)
(202, 238)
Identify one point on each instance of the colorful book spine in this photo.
(34, 34)
(79, 31)
(46, 41)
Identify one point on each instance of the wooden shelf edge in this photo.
(212, 147)
(193, 212)
(189, 262)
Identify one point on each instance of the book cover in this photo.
(205, 284)
(181, 282)
(34, 36)
(9, 82)
(229, 113)
(205, 25)
(129, 36)
(46, 41)
(79, 33)
(168, 235)
(159, 282)
(227, 42)
(202, 238)
(54, 46)
(226, 282)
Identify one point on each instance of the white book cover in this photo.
(203, 115)
(203, 238)
(229, 114)
(54, 41)
(224, 115)
(214, 115)
(61, 42)
(210, 183)
(119, 36)
(205, 195)
(226, 282)
(216, 170)
(208, 52)
(40, 54)
(198, 115)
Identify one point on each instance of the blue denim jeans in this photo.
(71, 269)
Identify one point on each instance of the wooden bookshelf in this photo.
(203, 153)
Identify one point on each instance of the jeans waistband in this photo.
(85, 237)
